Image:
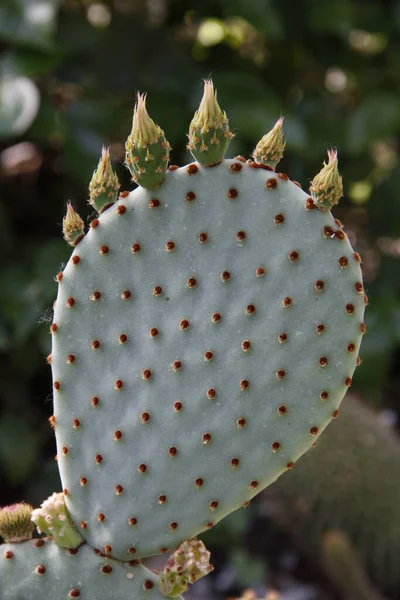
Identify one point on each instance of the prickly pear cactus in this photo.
(204, 335)
(39, 569)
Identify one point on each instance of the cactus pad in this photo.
(41, 569)
(204, 335)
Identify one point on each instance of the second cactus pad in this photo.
(204, 335)
(40, 570)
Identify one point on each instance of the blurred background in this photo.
(69, 71)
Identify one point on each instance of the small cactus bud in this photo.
(209, 133)
(187, 564)
(15, 522)
(147, 150)
(73, 226)
(326, 188)
(53, 519)
(270, 148)
(104, 185)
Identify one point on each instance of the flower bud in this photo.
(269, 149)
(53, 519)
(73, 226)
(147, 150)
(326, 188)
(104, 185)
(209, 133)
(15, 522)
(187, 564)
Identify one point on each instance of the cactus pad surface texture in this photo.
(205, 332)
(39, 569)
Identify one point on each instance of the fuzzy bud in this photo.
(187, 564)
(147, 150)
(209, 133)
(53, 519)
(270, 148)
(326, 188)
(104, 185)
(15, 522)
(73, 226)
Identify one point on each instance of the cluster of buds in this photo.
(147, 154)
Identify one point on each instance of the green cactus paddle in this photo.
(205, 332)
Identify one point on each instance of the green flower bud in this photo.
(147, 150)
(73, 226)
(209, 133)
(270, 148)
(326, 188)
(187, 564)
(104, 185)
(15, 522)
(53, 519)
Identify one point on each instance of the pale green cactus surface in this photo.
(204, 335)
(205, 332)
(39, 569)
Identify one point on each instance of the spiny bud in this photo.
(53, 519)
(15, 522)
(187, 564)
(104, 185)
(326, 188)
(209, 133)
(270, 148)
(147, 150)
(73, 226)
